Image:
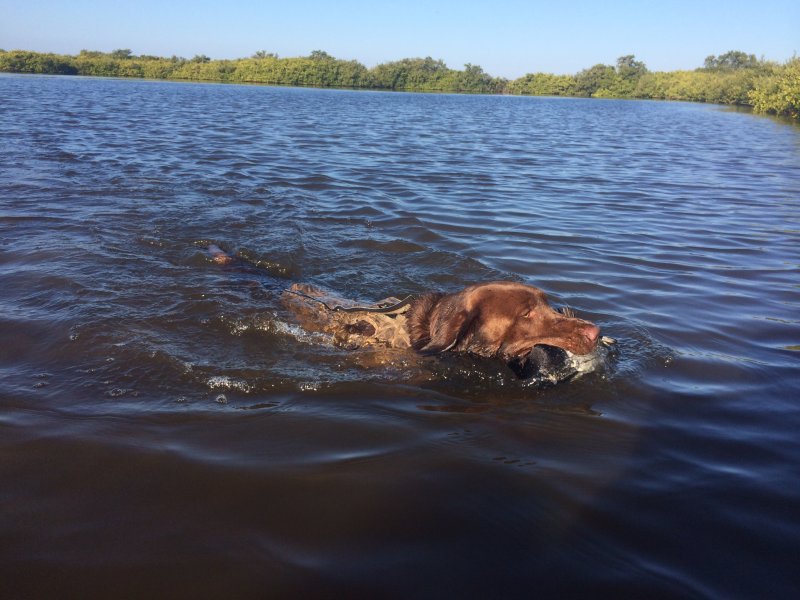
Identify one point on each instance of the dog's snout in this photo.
(592, 332)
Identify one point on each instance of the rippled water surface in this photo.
(167, 431)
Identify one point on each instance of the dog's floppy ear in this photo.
(448, 322)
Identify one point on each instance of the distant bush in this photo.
(429, 75)
(698, 86)
(778, 92)
(731, 78)
(22, 61)
(543, 84)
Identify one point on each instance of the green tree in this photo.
(320, 55)
(474, 79)
(731, 61)
(599, 77)
(629, 68)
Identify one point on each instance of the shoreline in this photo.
(765, 88)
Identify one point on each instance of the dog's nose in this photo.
(592, 332)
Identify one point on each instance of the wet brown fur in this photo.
(497, 319)
(503, 319)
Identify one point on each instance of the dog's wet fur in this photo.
(506, 320)
(502, 319)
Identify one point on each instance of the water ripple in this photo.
(128, 355)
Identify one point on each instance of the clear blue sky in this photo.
(506, 37)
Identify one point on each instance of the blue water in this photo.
(167, 430)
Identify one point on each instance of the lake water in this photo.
(166, 431)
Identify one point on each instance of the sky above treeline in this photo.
(508, 38)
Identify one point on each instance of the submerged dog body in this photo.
(318, 311)
(506, 320)
(500, 319)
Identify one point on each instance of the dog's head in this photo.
(498, 319)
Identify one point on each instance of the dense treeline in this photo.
(319, 69)
(730, 78)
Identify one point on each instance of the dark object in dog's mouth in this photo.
(550, 364)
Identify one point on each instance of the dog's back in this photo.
(314, 309)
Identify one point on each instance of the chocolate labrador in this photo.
(501, 319)
(507, 320)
